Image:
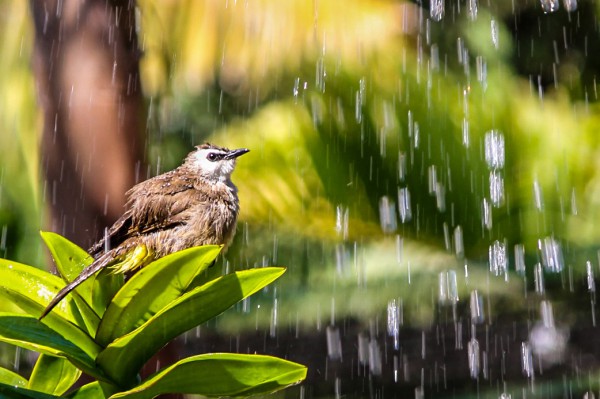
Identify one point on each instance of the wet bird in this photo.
(194, 204)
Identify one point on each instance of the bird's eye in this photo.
(212, 157)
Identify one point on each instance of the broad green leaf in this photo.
(32, 289)
(94, 390)
(11, 378)
(15, 392)
(123, 358)
(151, 289)
(29, 333)
(53, 375)
(70, 261)
(218, 375)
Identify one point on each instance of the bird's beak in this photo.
(236, 153)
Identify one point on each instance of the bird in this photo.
(194, 204)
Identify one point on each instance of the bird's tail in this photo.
(89, 271)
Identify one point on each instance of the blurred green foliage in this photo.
(20, 123)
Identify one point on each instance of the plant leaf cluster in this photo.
(109, 330)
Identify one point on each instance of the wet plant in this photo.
(108, 329)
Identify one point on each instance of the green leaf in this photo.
(225, 374)
(123, 358)
(70, 261)
(29, 333)
(32, 289)
(53, 375)
(15, 392)
(151, 289)
(11, 378)
(94, 390)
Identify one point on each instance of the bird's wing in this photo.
(155, 204)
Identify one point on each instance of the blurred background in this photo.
(428, 171)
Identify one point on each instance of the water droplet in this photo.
(526, 360)
(496, 189)
(387, 215)
(476, 306)
(591, 283)
(465, 133)
(495, 32)
(363, 349)
(494, 149)
(472, 9)
(520, 258)
(473, 352)
(432, 179)
(341, 221)
(459, 248)
(538, 198)
(538, 279)
(551, 254)
(486, 214)
(401, 166)
(549, 5)
(570, 5)
(404, 206)
(394, 321)
(375, 363)
(498, 259)
(334, 343)
(436, 10)
(481, 71)
(547, 314)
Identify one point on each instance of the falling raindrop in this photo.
(549, 5)
(526, 360)
(443, 287)
(387, 215)
(440, 197)
(375, 362)
(538, 279)
(341, 221)
(486, 214)
(537, 196)
(476, 306)
(401, 166)
(591, 283)
(496, 189)
(481, 71)
(495, 31)
(393, 322)
(3, 237)
(472, 9)
(520, 258)
(573, 202)
(473, 353)
(570, 5)
(452, 286)
(432, 179)
(494, 149)
(435, 58)
(274, 319)
(498, 259)
(465, 133)
(363, 349)
(436, 10)
(547, 314)
(334, 343)
(459, 248)
(551, 254)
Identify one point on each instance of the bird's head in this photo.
(214, 163)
